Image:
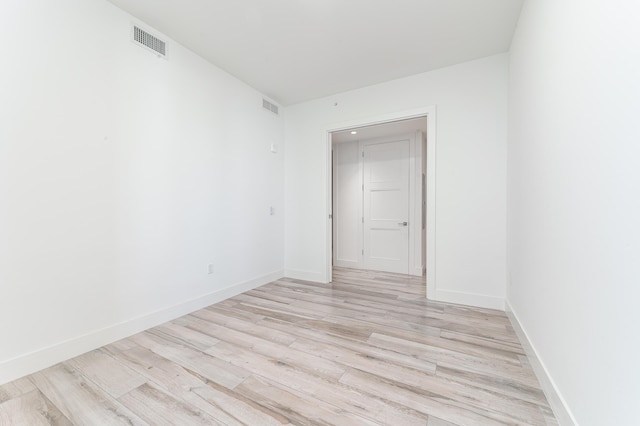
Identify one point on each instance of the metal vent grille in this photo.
(269, 106)
(150, 42)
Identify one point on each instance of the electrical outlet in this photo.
(210, 268)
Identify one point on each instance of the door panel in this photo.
(386, 205)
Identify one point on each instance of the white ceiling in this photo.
(296, 50)
(380, 130)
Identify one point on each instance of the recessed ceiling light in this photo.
(353, 132)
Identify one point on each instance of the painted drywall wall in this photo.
(122, 177)
(347, 205)
(471, 101)
(573, 201)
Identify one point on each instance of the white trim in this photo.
(469, 299)
(556, 401)
(313, 276)
(328, 222)
(430, 113)
(416, 267)
(413, 219)
(431, 203)
(23, 365)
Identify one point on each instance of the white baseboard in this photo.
(353, 264)
(29, 363)
(556, 401)
(313, 276)
(417, 272)
(469, 299)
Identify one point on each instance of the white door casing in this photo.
(386, 166)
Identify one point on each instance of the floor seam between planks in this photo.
(366, 349)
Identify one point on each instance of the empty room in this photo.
(315, 212)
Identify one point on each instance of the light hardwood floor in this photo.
(367, 349)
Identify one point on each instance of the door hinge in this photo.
(363, 186)
(363, 219)
(363, 252)
(362, 154)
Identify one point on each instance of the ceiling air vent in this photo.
(269, 106)
(152, 43)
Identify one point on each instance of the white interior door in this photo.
(386, 205)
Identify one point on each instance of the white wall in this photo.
(574, 201)
(347, 205)
(122, 176)
(471, 101)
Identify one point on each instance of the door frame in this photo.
(430, 113)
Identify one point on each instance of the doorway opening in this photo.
(381, 204)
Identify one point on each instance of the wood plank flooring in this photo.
(367, 349)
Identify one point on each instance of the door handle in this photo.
(402, 223)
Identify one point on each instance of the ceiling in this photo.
(380, 130)
(297, 50)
